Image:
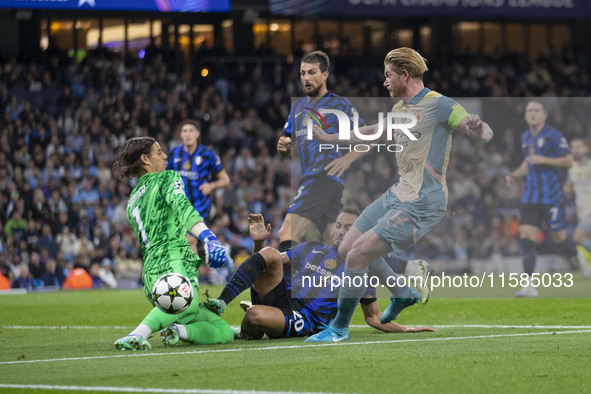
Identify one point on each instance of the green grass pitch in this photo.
(62, 342)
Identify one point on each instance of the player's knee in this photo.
(271, 256)
(362, 249)
(254, 316)
(359, 257)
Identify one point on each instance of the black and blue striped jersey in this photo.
(195, 169)
(312, 266)
(312, 160)
(543, 184)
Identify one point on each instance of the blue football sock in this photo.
(246, 274)
(387, 277)
(349, 296)
(529, 255)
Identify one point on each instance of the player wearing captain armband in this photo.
(417, 202)
(160, 215)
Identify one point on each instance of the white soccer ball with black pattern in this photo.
(172, 293)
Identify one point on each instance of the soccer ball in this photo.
(172, 293)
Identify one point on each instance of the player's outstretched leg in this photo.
(330, 334)
(132, 342)
(398, 304)
(205, 328)
(349, 296)
(246, 274)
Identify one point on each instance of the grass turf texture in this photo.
(444, 361)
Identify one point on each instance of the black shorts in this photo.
(535, 214)
(299, 321)
(319, 200)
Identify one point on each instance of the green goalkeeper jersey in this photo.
(160, 215)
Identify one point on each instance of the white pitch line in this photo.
(67, 327)
(352, 326)
(483, 326)
(292, 347)
(507, 326)
(145, 390)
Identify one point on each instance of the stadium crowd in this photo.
(62, 123)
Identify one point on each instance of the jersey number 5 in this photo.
(136, 216)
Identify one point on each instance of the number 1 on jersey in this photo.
(136, 215)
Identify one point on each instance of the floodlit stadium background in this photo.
(74, 83)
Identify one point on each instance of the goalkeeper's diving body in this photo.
(160, 215)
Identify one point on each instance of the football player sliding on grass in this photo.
(286, 305)
(160, 215)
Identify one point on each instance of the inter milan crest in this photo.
(330, 264)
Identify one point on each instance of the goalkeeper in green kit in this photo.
(160, 215)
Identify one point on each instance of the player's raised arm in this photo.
(475, 128)
(258, 231)
(222, 180)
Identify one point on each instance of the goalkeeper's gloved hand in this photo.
(216, 254)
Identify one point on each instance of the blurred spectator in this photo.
(54, 275)
(24, 280)
(16, 225)
(107, 275)
(48, 242)
(36, 267)
(68, 243)
(97, 281)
